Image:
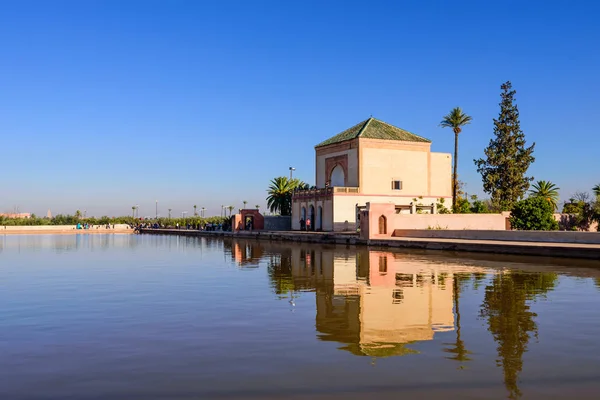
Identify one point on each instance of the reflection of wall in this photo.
(247, 254)
(373, 299)
(404, 303)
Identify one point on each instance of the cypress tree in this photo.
(507, 159)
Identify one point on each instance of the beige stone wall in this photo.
(451, 221)
(497, 222)
(441, 175)
(344, 207)
(327, 213)
(352, 177)
(381, 166)
(422, 173)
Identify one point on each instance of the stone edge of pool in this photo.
(540, 249)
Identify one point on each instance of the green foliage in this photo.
(506, 157)
(456, 119)
(596, 190)
(579, 212)
(67, 219)
(479, 206)
(279, 199)
(533, 214)
(462, 206)
(546, 190)
(441, 206)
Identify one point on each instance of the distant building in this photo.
(49, 214)
(371, 162)
(16, 215)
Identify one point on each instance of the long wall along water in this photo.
(156, 316)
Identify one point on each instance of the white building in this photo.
(371, 162)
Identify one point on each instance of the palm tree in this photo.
(230, 208)
(257, 206)
(202, 210)
(170, 213)
(195, 213)
(132, 211)
(547, 190)
(456, 119)
(244, 203)
(280, 195)
(596, 189)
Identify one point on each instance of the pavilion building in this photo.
(376, 162)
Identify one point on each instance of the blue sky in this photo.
(107, 104)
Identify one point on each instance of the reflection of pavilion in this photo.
(376, 302)
(246, 254)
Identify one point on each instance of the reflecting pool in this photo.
(166, 317)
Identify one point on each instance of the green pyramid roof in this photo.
(374, 129)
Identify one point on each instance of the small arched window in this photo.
(382, 225)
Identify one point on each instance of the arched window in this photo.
(382, 225)
(337, 176)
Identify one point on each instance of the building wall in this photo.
(327, 217)
(422, 173)
(352, 167)
(345, 207)
(441, 175)
(380, 166)
(374, 212)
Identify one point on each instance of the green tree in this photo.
(456, 119)
(546, 190)
(478, 206)
(280, 191)
(78, 214)
(533, 214)
(596, 190)
(507, 157)
(578, 213)
(230, 208)
(245, 202)
(462, 206)
(510, 320)
(441, 206)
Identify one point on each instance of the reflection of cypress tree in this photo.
(280, 273)
(458, 348)
(510, 320)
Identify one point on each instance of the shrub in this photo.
(533, 214)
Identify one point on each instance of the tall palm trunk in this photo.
(455, 174)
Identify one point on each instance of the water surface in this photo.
(166, 317)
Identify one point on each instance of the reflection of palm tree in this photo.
(459, 351)
(510, 320)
